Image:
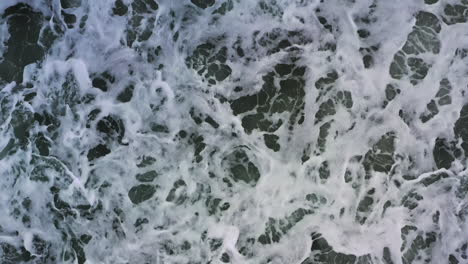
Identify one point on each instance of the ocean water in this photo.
(234, 131)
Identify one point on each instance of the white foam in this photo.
(166, 96)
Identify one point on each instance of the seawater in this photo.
(234, 131)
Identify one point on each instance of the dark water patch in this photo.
(442, 98)
(276, 228)
(43, 144)
(391, 92)
(120, 9)
(456, 13)
(423, 38)
(126, 95)
(271, 141)
(98, 151)
(210, 62)
(145, 161)
(12, 254)
(178, 193)
(416, 249)
(224, 7)
(148, 176)
(368, 55)
(380, 157)
(111, 127)
(241, 168)
(203, 3)
(322, 253)
(141, 193)
(461, 128)
(70, 3)
(24, 26)
(288, 97)
(69, 18)
(443, 154)
(103, 81)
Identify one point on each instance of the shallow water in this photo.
(234, 131)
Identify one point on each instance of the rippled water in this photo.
(234, 131)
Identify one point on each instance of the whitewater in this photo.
(234, 131)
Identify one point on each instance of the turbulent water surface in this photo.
(234, 131)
